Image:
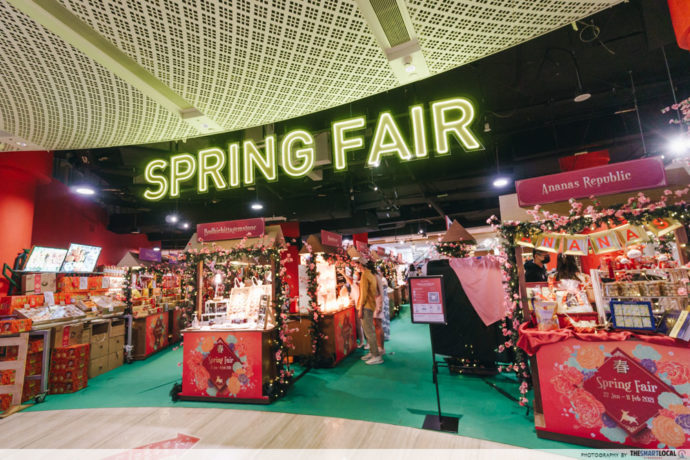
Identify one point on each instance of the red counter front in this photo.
(224, 365)
(150, 334)
(631, 392)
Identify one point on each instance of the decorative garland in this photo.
(315, 328)
(638, 210)
(221, 257)
(455, 249)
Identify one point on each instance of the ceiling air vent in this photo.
(391, 20)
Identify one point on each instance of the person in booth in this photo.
(535, 269)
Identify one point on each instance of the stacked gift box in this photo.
(107, 347)
(34, 369)
(69, 368)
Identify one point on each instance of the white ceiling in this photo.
(96, 73)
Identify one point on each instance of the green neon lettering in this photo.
(459, 127)
(234, 165)
(306, 154)
(213, 169)
(153, 178)
(342, 145)
(182, 168)
(387, 140)
(253, 158)
(419, 131)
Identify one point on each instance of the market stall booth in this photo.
(607, 332)
(325, 332)
(236, 347)
(60, 304)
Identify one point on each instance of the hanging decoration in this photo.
(639, 211)
(455, 249)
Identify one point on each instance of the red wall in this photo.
(61, 218)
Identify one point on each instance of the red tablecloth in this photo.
(531, 339)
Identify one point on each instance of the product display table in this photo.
(610, 389)
(228, 365)
(149, 334)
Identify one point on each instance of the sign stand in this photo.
(427, 304)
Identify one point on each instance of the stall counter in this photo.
(227, 365)
(611, 389)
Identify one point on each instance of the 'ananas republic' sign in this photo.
(597, 181)
(222, 169)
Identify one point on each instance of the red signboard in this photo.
(156, 332)
(627, 390)
(598, 181)
(331, 239)
(222, 364)
(426, 301)
(345, 333)
(231, 229)
(630, 393)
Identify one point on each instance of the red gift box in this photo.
(14, 326)
(72, 353)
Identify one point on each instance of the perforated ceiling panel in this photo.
(455, 32)
(242, 63)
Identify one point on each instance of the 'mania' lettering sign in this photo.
(450, 118)
(598, 181)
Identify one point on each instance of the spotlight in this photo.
(487, 127)
(185, 225)
(172, 218)
(376, 188)
(157, 249)
(84, 190)
(500, 182)
(581, 97)
(679, 145)
(257, 206)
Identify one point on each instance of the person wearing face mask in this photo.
(535, 269)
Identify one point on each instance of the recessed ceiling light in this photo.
(172, 218)
(84, 190)
(257, 206)
(582, 97)
(185, 225)
(156, 249)
(501, 182)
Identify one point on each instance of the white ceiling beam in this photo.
(63, 23)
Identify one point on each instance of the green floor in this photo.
(399, 392)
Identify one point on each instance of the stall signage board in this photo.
(426, 300)
(231, 229)
(628, 391)
(149, 254)
(632, 392)
(331, 239)
(597, 181)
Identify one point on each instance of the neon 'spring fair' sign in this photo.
(214, 167)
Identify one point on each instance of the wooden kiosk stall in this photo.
(609, 352)
(325, 332)
(232, 351)
(156, 298)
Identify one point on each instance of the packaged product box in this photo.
(35, 345)
(67, 283)
(62, 298)
(100, 333)
(14, 326)
(117, 327)
(79, 352)
(67, 387)
(34, 364)
(86, 333)
(69, 375)
(31, 389)
(36, 283)
(7, 376)
(64, 336)
(116, 344)
(6, 307)
(98, 366)
(5, 402)
(95, 282)
(115, 359)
